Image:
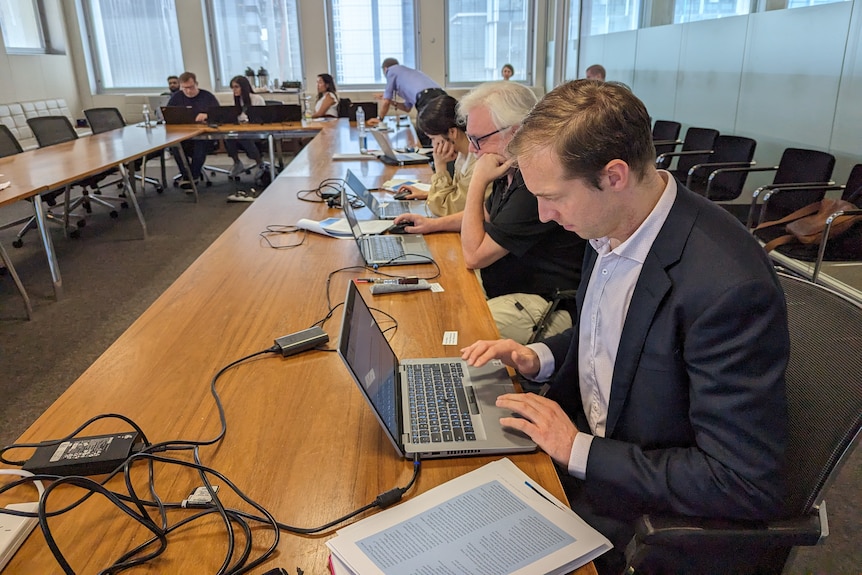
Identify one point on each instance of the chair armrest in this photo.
(775, 189)
(697, 532)
(666, 142)
(714, 165)
(683, 153)
(821, 252)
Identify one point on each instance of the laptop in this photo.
(178, 115)
(385, 211)
(223, 115)
(391, 157)
(156, 103)
(274, 114)
(379, 250)
(407, 408)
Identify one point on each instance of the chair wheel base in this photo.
(81, 223)
(75, 233)
(114, 214)
(19, 243)
(124, 205)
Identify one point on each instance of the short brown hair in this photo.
(186, 76)
(596, 70)
(588, 123)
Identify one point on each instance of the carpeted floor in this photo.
(110, 277)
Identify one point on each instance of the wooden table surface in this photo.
(300, 439)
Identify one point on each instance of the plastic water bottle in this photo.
(360, 123)
(146, 113)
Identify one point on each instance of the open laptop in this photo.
(156, 103)
(178, 115)
(274, 114)
(386, 211)
(223, 115)
(391, 157)
(468, 422)
(379, 250)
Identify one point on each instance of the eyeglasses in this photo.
(477, 140)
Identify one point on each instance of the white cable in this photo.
(21, 473)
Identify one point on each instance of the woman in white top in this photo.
(448, 193)
(327, 99)
(243, 97)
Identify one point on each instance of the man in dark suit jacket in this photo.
(667, 396)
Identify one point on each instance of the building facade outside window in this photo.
(362, 33)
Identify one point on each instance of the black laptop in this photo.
(178, 115)
(274, 114)
(223, 115)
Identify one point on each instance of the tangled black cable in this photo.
(317, 195)
(282, 230)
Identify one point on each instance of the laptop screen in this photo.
(358, 188)
(355, 229)
(364, 349)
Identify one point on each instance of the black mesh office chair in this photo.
(721, 177)
(107, 119)
(9, 146)
(52, 130)
(824, 415)
(697, 146)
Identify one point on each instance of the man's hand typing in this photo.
(543, 420)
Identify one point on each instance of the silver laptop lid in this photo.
(363, 193)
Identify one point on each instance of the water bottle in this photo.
(146, 113)
(360, 123)
(306, 107)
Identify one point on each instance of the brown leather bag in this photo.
(806, 225)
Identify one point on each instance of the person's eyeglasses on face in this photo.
(476, 140)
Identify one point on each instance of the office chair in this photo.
(344, 107)
(51, 130)
(718, 178)
(369, 107)
(9, 146)
(665, 134)
(844, 247)
(824, 401)
(808, 170)
(107, 119)
(696, 148)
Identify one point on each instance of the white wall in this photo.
(787, 78)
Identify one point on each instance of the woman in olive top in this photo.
(448, 193)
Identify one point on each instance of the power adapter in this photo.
(14, 530)
(301, 341)
(84, 455)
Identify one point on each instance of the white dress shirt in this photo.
(602, 316)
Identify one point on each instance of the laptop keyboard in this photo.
(393, 209)
(439, 410)
(383, 248)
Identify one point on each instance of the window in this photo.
(135, 43)
(804, 3)
(365, 32)
(482, 35)
(21, 23)
(605, 16)
(694, 10)
(255, 34)
(573, 25)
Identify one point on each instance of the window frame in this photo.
(331, 57)
(223, 84)
(42, 25)
(530, 49)
(95, 63)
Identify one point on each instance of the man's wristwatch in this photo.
(379, 118)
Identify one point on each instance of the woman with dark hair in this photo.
(327, 99)
(448, 193)
(243, 98)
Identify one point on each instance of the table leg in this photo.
(271, 141)
(49, 247)
(130, 194)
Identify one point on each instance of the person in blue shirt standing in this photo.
(415, 88)
(190, 96)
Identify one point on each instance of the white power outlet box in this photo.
(14, 530)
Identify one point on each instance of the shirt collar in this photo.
(638, 245)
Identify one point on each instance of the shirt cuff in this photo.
(546, 362)
(580, 454)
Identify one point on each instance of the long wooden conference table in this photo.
(300, 439)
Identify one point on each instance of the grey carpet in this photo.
(110, 277)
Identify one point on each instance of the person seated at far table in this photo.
(327, 98)
(190, 96)
(448, 193)
(243, 98)
(668, 396)
(521, 259)
(507, 71)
